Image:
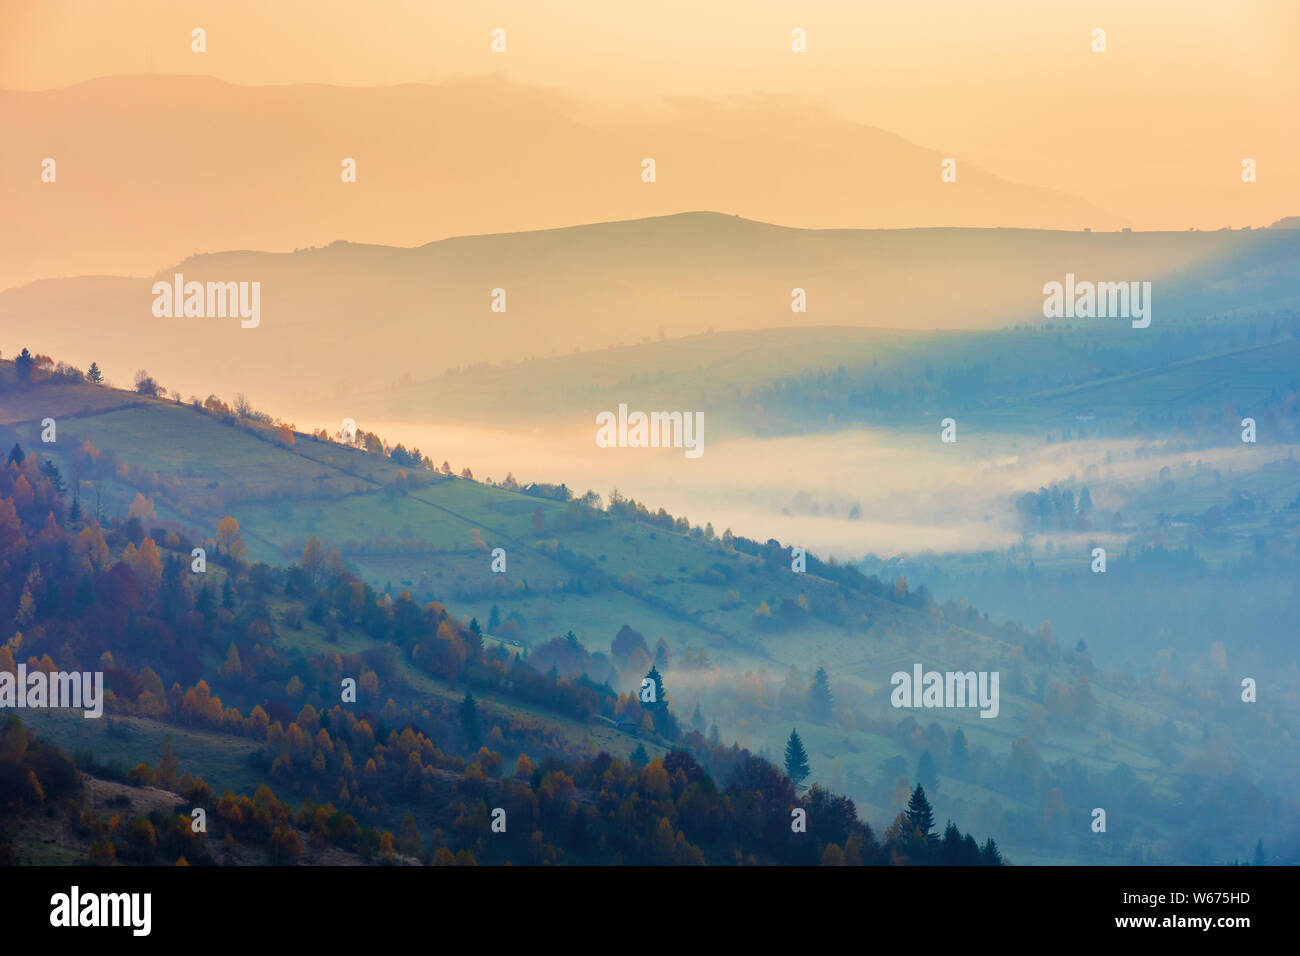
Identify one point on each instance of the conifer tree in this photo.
(819, 697)
(960, 754)
(926, 772)
(919, 812)
(660, 702)
(989, 853)
(796, 759)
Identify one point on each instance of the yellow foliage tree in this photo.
(228, 537)
(141, 508)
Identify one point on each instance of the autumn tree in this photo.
(229, 539)
(141, 508)
(144, 840)
(285, 846)
(146, 562)
(146, 385)
(408, 839)
(313, 561)
(232, 666)
(167, 764)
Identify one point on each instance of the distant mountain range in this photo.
(350, 318)
(153, 168)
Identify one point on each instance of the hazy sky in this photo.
(1159, 121)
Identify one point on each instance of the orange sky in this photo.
(1154, 129)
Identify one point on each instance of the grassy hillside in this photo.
(742, 632)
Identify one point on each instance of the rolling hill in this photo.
(350, 318)
(735, 619)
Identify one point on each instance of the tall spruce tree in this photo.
(927, 773)
(919, 812)
(819, 697)
(990, 855)
(660, 703)
(796, 759)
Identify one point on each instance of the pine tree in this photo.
(660, 702)
(960, 754)
(51, 471)
(95, 375)
(950, 853)
(697, 718)
(662, 655)
(23, 365)
(639, 757)
(469, 721)
(819, 697)
(1259, 853)
(796, 759)
(919, 812)
(926, 772)
(989, 854)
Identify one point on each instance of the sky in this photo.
(1154, 129)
